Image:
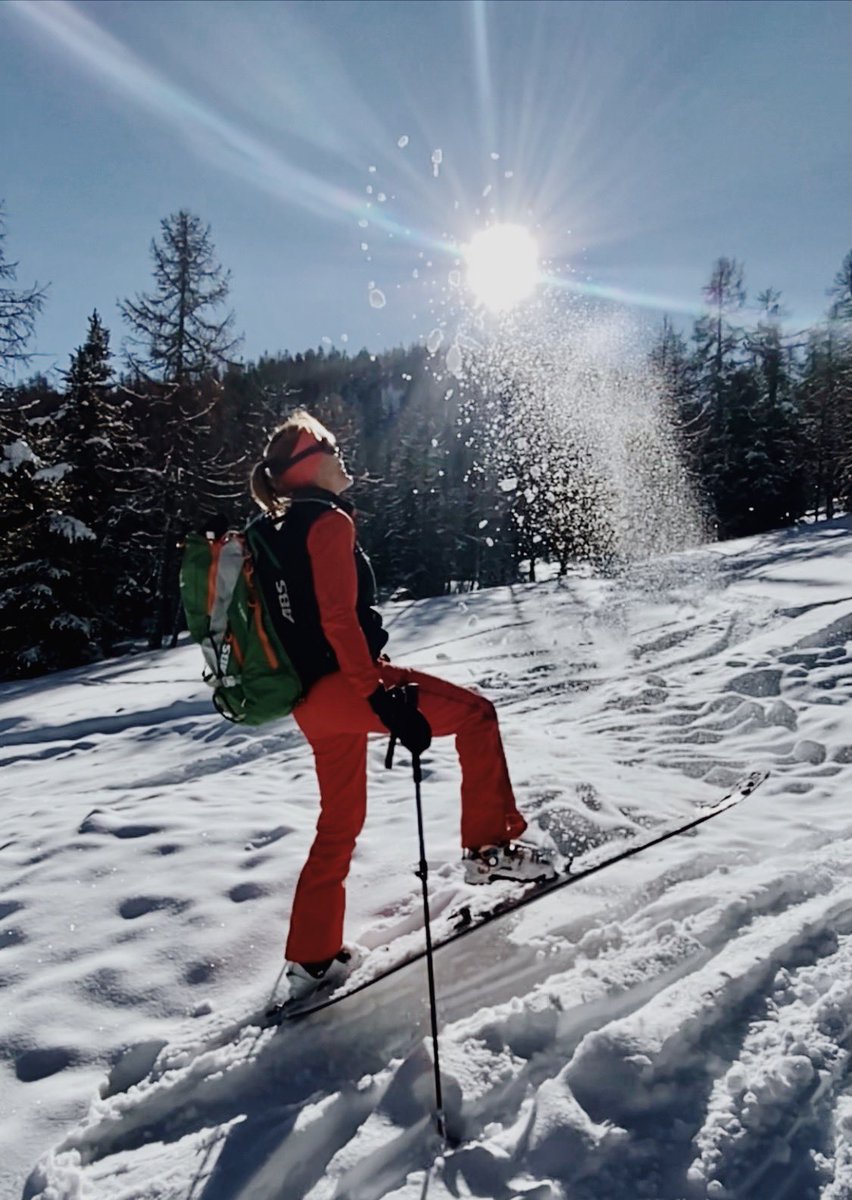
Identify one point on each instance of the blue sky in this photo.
(639, 140)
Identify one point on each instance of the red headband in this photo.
(296, 474)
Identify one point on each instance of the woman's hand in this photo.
(396, 708)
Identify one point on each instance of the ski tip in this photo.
(740, 790)
(751, 781)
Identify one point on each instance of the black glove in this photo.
(396, 708)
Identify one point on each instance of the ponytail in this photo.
(264, 492)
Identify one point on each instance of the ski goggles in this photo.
(277, 467)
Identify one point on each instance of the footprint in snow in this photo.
(92, 824)
(141, 906)
(765, 681)
(198, 972)
(13, 936)
(135, 831)
(268, 837)
(37, 1064)
(802, 662)
(588, 793)
(810, 752)
(247, 891)
(108, 986)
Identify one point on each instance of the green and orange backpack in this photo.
(252, 678)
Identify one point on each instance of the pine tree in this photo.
(175, 335)
(773, 475)
(677, 376)
(669, 355)
(723, 389)
(396, 430)
(85, 424)
(98, 452)
(823, 395)
(717, 339)
(825, 392)
(177, 345)
(18, 310)
(841, 318)
(69, 591)
(841, 290)
(40, 627)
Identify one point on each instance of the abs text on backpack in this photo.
(252, 678)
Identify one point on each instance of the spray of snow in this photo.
(568, 409)
(556, 393)
(454, 360)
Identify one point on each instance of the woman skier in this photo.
(335, 639)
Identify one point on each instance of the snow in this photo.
(53, 474)
(15, 454)
(676, 1028)
(454, 360)
(70, 528)
(377, 298)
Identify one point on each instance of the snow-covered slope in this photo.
(674, 1028)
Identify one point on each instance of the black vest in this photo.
(283, 575)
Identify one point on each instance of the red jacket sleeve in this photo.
(331, 548)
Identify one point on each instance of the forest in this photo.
(105, 466)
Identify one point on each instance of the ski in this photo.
(466, 922)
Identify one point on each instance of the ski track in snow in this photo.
(675, 1028)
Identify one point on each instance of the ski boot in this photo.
(305, 978)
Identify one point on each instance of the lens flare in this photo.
(502, 266)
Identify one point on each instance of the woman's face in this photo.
(331, 474)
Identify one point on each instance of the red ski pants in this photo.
(336, 721)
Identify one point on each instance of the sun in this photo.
(502, 266)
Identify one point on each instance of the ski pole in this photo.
(423, 875)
